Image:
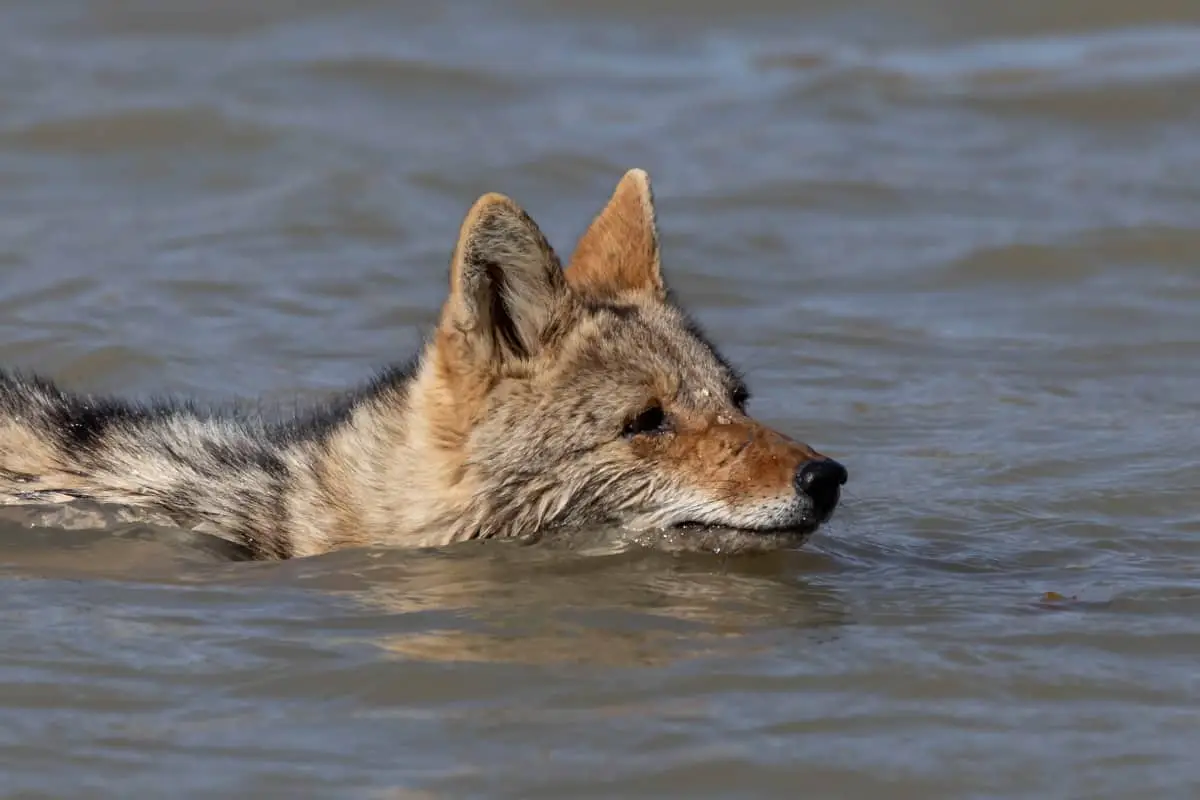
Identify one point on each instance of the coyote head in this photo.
(585, 396)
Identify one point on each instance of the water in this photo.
(953, 244)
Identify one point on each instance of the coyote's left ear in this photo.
(506, 283)
(618, 254)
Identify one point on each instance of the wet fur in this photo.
(514, 419)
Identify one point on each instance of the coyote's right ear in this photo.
(506, 283)
(618, 254)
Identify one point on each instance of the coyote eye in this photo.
(741, 396)
(652, 420)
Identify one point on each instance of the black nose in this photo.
(821, 481)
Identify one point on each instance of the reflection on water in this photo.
(626, 609)
(590, 599)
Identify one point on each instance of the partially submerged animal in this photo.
(544, 398)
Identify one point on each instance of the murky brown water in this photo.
(954, 244)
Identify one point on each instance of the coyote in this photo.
(545, 398)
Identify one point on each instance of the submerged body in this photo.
(544, 398)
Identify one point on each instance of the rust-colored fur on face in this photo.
(544, 398)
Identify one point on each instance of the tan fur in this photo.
(619, 253)
(515, 420)
(25, 452)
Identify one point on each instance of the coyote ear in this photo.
(505, 280)
(619, 251)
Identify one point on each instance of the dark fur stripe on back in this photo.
(219, 464)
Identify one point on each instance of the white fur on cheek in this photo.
(675, 508)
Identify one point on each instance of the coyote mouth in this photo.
(731, 540)
(800, 529)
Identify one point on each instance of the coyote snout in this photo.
(737, 473)
(822, 482)
(544, 398)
